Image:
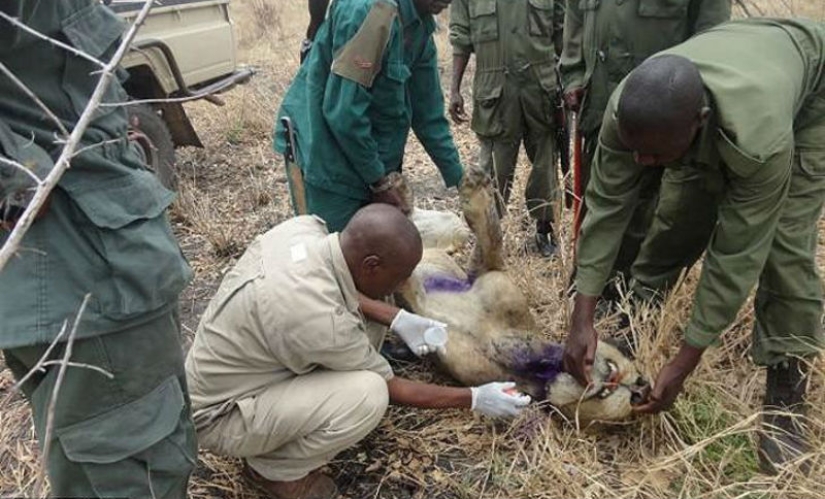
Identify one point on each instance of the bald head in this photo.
(381, 247)
(661, 107)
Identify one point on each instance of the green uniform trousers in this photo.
(523, 113)
(788, 304)
(129, 436)
(334, 208)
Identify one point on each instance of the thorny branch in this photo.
(64, 365)
(63, 162)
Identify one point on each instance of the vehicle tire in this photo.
(148, 130)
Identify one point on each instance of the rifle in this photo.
(294, 173)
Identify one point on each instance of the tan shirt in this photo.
(288, 307)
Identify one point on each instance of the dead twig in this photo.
(16, 22)
(64, 365)
(43, 107)
(22, 168)
(63, 162)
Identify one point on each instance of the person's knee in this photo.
(372, 394)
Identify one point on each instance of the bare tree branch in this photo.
(43, 107)
(80, 365)
(21, 167)
(47, 438)
(95, 146)
(37, 365)
(63, 162)
(16, 22)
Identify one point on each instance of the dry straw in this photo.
(703, 448)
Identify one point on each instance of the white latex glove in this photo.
(492, 400)
(411, 328)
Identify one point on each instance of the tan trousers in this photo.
(299, 425)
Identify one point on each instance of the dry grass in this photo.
(235, 188)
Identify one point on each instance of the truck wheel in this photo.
(148, 130)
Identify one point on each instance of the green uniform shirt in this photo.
(105, 232)
(507, 36)
(371, 75)
(605, 39)
(758, 75)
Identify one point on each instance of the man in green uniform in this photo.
(737, 118)
(370, 76)
(603, 41)
(514, 94)
(104, 233)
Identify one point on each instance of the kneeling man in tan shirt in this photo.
(285, 370)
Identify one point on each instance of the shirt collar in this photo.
(704, 150)
(342, 273)
(409, 16)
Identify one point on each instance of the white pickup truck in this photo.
(185, 49)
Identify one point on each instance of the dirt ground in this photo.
(235, 188)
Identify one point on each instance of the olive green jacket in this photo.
(605, 39)
(518, 37)
(105, 231)
(763, 80)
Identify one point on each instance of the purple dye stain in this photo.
(541, 365)
(446, 284)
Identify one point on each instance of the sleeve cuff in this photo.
(374, 173)
(588, 284)
(452, 175)
(699, 337)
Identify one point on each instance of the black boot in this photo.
(545, 239)
(782, 437)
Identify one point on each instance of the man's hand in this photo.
(498, 399)
(411, 329)
(573, 99)
(457, 107)
(580, 346)
(671, 378)
(388, 190)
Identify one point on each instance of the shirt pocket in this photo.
(487, 111)
(130, 232)
(390, 94)
(540, 18)
(666, 9)
(145, 448)
(483, 21)
(96, 31)
(811, 163)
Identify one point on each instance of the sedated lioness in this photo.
(492, 334)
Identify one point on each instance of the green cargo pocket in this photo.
(540, 18)
(487, 91)
(483, 21)
(146, 267)
(389, 93)
(145, 448)
(811, 163)
(663, 8)
(96, 31)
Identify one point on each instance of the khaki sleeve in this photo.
(335, 340)
(460, 28)
(739, 247)
(360, 58)
(611, 196)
